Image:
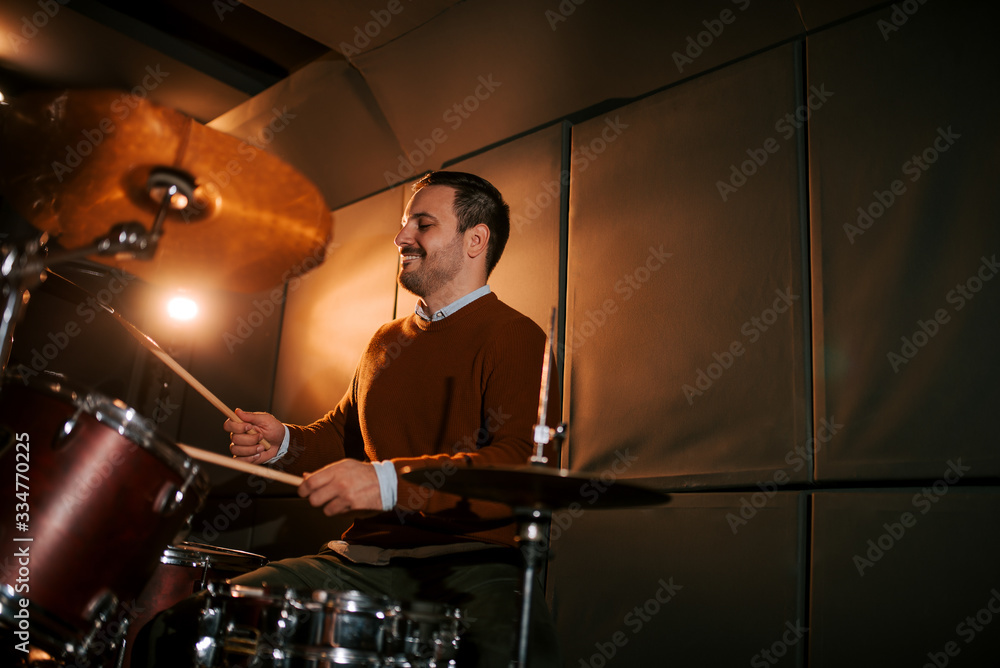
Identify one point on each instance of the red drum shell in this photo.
(105, 499)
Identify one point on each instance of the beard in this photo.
(437, 269)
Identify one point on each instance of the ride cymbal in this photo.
(535, 487)
(78, 162)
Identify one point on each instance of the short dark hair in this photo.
(476, 202)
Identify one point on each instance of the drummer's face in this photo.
(430, 247)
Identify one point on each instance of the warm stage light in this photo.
(182, 308)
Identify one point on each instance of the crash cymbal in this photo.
(75, 163)
(535, 487)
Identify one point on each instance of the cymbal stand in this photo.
(23, 265)
(533, 521)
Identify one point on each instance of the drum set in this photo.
(95, 505)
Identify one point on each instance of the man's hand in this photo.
(344, 486)
(245, 438)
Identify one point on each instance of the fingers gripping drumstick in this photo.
(182, 372)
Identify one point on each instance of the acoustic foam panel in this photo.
(906, 577)
(323, 121)
(905, 242)
(490, 71)
(675, 586)
(685, 302)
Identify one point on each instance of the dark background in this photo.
(815, 382)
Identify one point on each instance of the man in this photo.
(453, 385)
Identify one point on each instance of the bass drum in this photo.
(90, 495)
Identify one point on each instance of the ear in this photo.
(477, 238)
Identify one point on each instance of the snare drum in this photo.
(91, 495)
(185, 569)
(264, 627)
(428, 635)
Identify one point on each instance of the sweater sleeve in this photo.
(332, 437)
(511, 378)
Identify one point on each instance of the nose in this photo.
(404, 237)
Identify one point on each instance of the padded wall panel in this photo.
(319, 119)
(905, 242)
(675, 586)
(334, 310)
(527, 172)
(685, 299)
(525, 63)
(906, 577)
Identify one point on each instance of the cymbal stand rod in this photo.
(543, 434)
(532, 541)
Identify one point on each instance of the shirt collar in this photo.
(443, 313)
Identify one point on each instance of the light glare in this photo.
(182, 308)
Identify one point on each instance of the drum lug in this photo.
(102, 606)
(169, 500)
(62, 436)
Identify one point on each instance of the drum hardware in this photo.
(242, 230)
(169, 500)
(283, 627)
(63, 435)
(247, 234)
(94, 500)
(533, 491)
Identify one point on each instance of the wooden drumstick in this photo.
(236, 464)
(154, 348)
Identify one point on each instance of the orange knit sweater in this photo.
(462, 391)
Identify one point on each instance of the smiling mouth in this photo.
(407, 258)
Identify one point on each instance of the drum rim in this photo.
(121, 418)
(202, 555)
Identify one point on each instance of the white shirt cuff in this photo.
(387, 483)
(283, 449)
